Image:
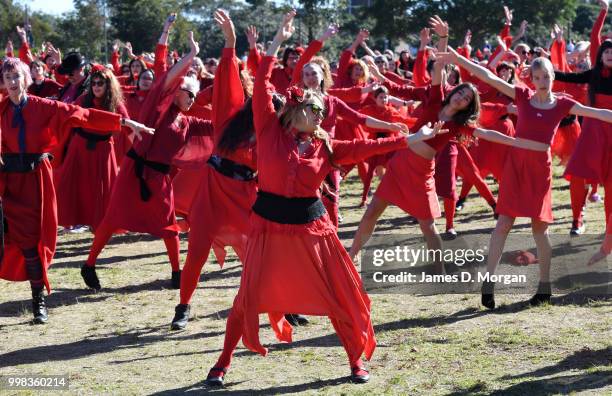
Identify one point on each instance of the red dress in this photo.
(300, 268)
(29, 198)
(409, 181)
(83, 186)
(220, 210)
(127, 210)
(525, 187)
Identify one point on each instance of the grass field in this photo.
(118, 341)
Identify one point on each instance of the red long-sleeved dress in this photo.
(84, 183)
(300, 267)
(29, 198)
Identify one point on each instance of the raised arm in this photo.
(596, 32)
(313, 48)
(254, 57)
(263, 107)
(441, 28)
(228, 95)
(181, 67)
(478, 71)
(24, 50)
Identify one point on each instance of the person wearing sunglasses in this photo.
(83, 187)
(142, 197)
(34, 133)
(294, 260)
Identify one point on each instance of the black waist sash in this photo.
(22, 163)
(567, 120)
(231, 169)
(92, 138)
(285, 210)
(139, 164)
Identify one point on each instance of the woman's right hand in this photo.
(427, 131)
(193, 45)
(286, 29)
(252, 36)
(227, 27)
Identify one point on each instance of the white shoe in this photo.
(78, 229)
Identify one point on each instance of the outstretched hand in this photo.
(439, 26)
(227, 27)
(508, 15)
(193, 45)
(286, 29)
(448, 57)
(138, 129)
(331, 30)
(252, 36)
(428, 132)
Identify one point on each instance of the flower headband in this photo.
(295, 95)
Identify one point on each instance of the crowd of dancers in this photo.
(250, 154)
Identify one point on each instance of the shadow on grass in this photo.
(201, 387)
(132, 339)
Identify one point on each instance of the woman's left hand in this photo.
(138, 129)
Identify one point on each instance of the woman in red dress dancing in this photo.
(32, 127)
(294, 260)
(525, 187)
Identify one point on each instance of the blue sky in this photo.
(49, 6)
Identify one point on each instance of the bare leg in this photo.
(496, 248)
(540, 235)
(367, 224)
(432, 239)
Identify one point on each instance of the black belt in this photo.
(231, 169)
(92, 138)
(22, 163)
(569, 120)
(139, 164)
(285, 210)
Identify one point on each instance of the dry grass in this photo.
(118, 341)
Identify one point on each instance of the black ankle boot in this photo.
(296, 319)
(542, 296)
(90, 277)
(487, 298)
(176, 279)
(495, 214)
(39, 308)
(181, 317)
(459, 204)
(215, 376)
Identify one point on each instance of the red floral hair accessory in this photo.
(97, 68)
(295, 95)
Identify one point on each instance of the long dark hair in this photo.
(240, 127)
(596, 72)
(470, 114)
(113, 97)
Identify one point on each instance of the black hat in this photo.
(71, 62)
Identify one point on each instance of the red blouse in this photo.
(536, 124)
(282, 170)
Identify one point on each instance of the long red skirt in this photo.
(302, 268)
(84, 183)
(28, 200)
(121, 144)
(185, 186)
(446, 170)
(221, 211)
(565, 141)
(525, 187)
(127, 211)
(409, 184)
(592, 157)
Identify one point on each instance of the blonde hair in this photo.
(291, 113)
(542, 63)
(366, 75)
(320, 61)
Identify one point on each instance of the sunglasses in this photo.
(189, 93)
(316, 109)
(98, 83)
(524, 52)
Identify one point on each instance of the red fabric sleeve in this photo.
(115, 62)
(313, 48)
(263, 108)
(505, 35)
(228, 95)
(348, 95)
(350, 152)
(396, 78)
(253, 61)
(596, 35)
(351, 116)
(160, 65)
(465, 75)
(407, 92)
(205, 96)
(25, 54)
(343, 66)
(419, 74)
